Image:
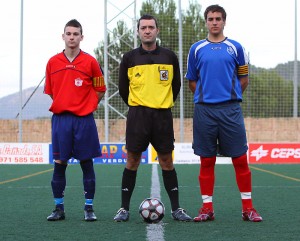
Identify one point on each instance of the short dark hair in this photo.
(215, 8)
(73, 23)
(147, 17)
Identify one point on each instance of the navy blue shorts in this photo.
(74, 136)
(221, 124)
(147, 125)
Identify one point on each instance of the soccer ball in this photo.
(152, 210)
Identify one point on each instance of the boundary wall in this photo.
(274, 130)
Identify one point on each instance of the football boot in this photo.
(122, 215)
(180, 215)
(56, 215)
(250, 214)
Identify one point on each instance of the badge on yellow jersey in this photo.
(164, 75)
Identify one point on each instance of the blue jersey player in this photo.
(218, 75)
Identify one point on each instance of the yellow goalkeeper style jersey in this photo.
(150, 79)
(151, 85)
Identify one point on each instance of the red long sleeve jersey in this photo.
(73, 85)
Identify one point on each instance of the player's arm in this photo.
(176, 82)
(244, 80)
(98, 80)
(192, 72)
(243, 76)
(123, 81)
(192, 85)
(99, 87)
(100, 96)
(47, 85)
(243, 68)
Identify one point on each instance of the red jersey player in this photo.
(75, 82)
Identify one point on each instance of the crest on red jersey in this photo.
(78, 82)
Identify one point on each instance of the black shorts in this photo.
(147, 125)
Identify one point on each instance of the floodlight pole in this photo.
(181, 72)
(21, 75)
(295, 109)
(106, 117)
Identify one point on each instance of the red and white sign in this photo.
(24, 153)
(277, 153)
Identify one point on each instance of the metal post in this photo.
(295, 109)
(181, 72)
(21, 75)
(111, 56)
(135, 26)
(106, 119)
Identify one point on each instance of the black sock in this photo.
(171, 186)
(58, 183)
(128, 184)
(89, 178)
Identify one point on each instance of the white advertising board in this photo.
(184, 154)
(24, 153)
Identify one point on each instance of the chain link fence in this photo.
(268, 101)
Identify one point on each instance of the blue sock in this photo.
(88, 204)
(59, 203)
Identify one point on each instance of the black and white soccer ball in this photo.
(152, 210)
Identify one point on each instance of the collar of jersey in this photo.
(155, 51)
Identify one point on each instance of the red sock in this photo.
(208, 205)
(247, 203)
(243, 178)
(207, 175)
(242, 173)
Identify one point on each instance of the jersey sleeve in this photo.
(47, 86)
(191, 73)
(98, 78)
(123, 80)
(243, 60)
(176, 82)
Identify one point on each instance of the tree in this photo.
(268, 95)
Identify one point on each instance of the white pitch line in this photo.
(155, 232)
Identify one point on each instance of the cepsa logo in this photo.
(274, 153)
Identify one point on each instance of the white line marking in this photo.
(155, 232)
(155, 185)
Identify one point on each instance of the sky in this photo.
(266, 29)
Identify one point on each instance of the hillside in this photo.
(36, 107)
(285, 71)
